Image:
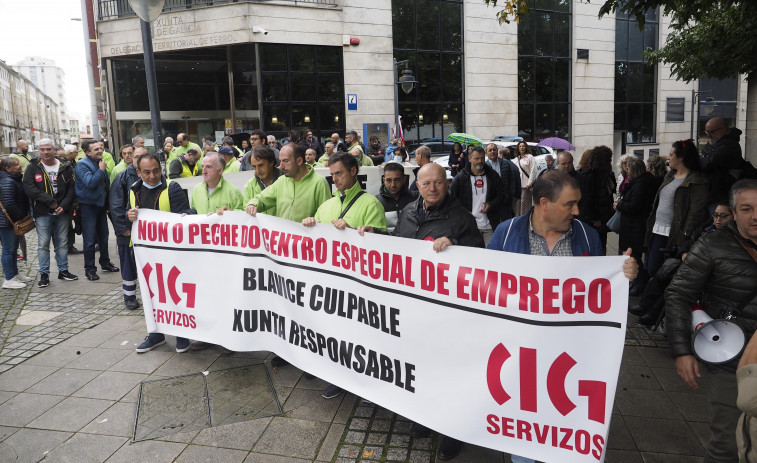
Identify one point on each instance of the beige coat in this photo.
(746, 430)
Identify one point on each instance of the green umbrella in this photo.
(465, 139)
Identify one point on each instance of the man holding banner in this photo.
(551, 229)
(152, 191)
(436, 216)
(350, 207)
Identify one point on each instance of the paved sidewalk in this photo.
(70, 378)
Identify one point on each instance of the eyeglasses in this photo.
(255, 138)
(712, 131)
(717, 216)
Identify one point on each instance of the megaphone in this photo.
(715, 341)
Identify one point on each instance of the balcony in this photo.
(112, 9)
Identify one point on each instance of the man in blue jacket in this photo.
(92, 184)
(551, 229)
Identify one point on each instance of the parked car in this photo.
(540, 154)
(437, 147)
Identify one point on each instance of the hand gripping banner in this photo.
(511, 352)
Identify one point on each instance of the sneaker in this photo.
(91, 275)
(448, 449)
(151, 342)
(418, 430)
(332, 391)
(73, 250)
(22, 278)
(44, 280)
(132, 304)
(109, 267)
(66, 275)
(278, 362)
(13, 284)
(182, 345)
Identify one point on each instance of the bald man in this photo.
(721, 160)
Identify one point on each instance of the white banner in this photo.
(512, 352)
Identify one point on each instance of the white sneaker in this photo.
(13, 284)
(22, 278)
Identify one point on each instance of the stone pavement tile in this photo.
(58, 356)
(619, 437)
(199, 454)
(98, 359)
(702, 431)
(71, 414)
(671, 382)
(631, 356)
(142, 363)
(180, 437)
(147, 451)
(345, 408)
(22, 377)
(86, 448)
(88, 338)
(314, 383)
(470, 453)
(118, 324)
(330, 443)
(25, 407)
(423, 456)
(396, 454)
(668, 458)
(637, 377)
(286, 376)
(6, 431)
(242, 436)
(296, 438)
(623, 456)
(110, 385)
(693, 407)
(377, 438)
(118, 420)
(264, 458)
(656, 357)
(185, 363)
(30, 445)
(307, 404)
(230, 361)
(125, 339)
(645, 402)
(355, 437)
(663, 436)
(63, 382)
(6, 395)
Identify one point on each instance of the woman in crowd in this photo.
(458, 159)
(526, 164)
(597, 189)
(658, 166)
(622, 179)
(17, 207)
(679, 207)
(635, 205)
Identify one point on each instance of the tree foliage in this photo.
(708, 38)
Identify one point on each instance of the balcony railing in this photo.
(112, 9)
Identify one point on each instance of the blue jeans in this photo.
(55, 227)
(94, 228)
(519, 459)
(10, 245)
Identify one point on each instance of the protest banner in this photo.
(512, 352)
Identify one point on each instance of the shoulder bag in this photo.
(21, 226)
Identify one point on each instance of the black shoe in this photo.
(448, 448)
(278, 362)
(73, 250)
(418, 430)
(637, 310)
(109, 267)
(648, 319)
(66, 275)
(44, 280)
(132, 304)
(91, 275)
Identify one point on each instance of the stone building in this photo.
(49, 78)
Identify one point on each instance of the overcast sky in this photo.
(44, 28)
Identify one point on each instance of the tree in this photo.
(708, 38)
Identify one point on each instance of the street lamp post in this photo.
(407, 82)
(708, 110)
(148, 11)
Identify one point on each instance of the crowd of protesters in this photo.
(497, 198)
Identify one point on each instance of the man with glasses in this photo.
(721, 159)
(257, 138)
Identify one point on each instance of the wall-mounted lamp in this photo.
(336, 118)
(274, 120)
(420, 117)
(445, 117)
(307, 119)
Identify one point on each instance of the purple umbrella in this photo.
(557, 143)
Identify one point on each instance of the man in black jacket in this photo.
(152, 191)
(49, 183)
(719, 273)
(394, 194)
(439, 217)
(119, 208)
(721, 159)
(479, 189)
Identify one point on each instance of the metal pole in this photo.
(396, 103)
(691, 132)
(92, 97)
(152, 84)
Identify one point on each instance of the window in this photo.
(674, 112)
(717, 98)
(544, 57)
(429, 35)
(635, 89)
(303, 88)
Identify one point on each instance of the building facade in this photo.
(328, 65)
(49, 78)
(26, 112)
